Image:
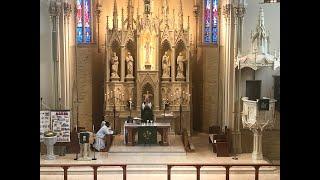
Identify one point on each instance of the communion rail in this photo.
(227, 166)
(169, 166)
(94, 166)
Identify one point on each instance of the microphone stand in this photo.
(76, 158)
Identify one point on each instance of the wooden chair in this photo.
(220, 141)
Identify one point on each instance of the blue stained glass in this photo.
(207, 15)
(88, 35)
(79, 35)
(87, 21)
(215, 18)
(83, 21)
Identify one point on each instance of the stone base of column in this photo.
(257, 145)
(180, 77)
(257, 156)
(115, 78)
(165, 78)
(236, 142)
(129, 78)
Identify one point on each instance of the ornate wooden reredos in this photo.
(147, 38)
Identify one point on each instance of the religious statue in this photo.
(147, 7)
(180, 62)
(148, 48)
(165, 65)
(115, 65)
(129, 60)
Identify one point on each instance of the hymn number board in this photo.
(44, 123)
(61, 124)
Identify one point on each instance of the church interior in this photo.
(163, 89)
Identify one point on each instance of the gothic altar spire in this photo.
(260, 38)
(180, 15)
(115, 15)
(261, 18)
(130, 14)
(165, 12)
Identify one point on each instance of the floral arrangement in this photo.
(49, 134)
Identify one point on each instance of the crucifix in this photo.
(147, 95)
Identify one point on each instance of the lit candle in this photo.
(93, 128)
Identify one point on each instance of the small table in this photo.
(132, 128)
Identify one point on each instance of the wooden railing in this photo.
(227, 166)
(94, 166)
(169, 166)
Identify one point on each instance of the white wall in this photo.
(46, 64)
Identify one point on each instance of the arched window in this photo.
(210, 17)
(84, 34)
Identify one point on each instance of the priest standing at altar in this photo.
(146, 110)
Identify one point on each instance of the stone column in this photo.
(173, 63)
(107, 60)
(257, 145)
(54, 11)
(123, 64)
(66, 59)
(188, 65)
(226, 83)
(240, 12)
(157, 64)
(137, 61)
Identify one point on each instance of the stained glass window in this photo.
(83, 21)
(207, 22)
(211, 21)
(215, 22)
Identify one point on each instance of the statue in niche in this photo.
(148, 48)
(180, 62)
(165, 65)
(147, 7)
(114, 66)
(129, 60)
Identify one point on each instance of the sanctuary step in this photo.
(175, 148)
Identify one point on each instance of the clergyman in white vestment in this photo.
(100, 142)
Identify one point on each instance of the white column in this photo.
(240, 12)
(54, 10)
(257, 145)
